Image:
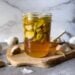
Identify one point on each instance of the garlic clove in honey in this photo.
(39, 36)
(38, 30)
(28, 27)
(29, 34)
(35, 26)
(40, 23)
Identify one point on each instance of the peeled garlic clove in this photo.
(38, 30)
(12, 41)
(39, 36)
(29, 34)
(59, 47)
(40, 23)
(43, 37)
(28, 27)
(15, 50)
(28, 18)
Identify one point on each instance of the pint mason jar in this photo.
(37, 28)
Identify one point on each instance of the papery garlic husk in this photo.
(15, 50)
(12, 41)
(64, 48)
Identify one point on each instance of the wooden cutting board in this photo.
(24, 59)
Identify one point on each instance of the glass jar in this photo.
(37, 28)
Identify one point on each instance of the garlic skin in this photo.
(61, 47)
(64, 48)
(12, 41)
(15, 50)
(26, 71)
(72, 40)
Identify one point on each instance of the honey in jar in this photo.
(37, 29)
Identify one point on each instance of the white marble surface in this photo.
(65, 68)
(11, 12)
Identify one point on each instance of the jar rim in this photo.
(38, 13)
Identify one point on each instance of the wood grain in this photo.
(24, 59)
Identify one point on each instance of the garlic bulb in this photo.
(72, 40)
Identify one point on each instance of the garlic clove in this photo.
(15, 50)
(64, 48)
(30, 34)
(28, 27)
(72, 40)
(12, 41)
(26, 71)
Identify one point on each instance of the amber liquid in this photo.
(37, 49)
(36, 35)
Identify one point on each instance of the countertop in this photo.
(63, 18)
(66, 68)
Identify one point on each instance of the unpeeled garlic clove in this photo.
(15, 50)
(72, 40)
(12, 41)
(64, 48)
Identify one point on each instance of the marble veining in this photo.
(11, 14)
